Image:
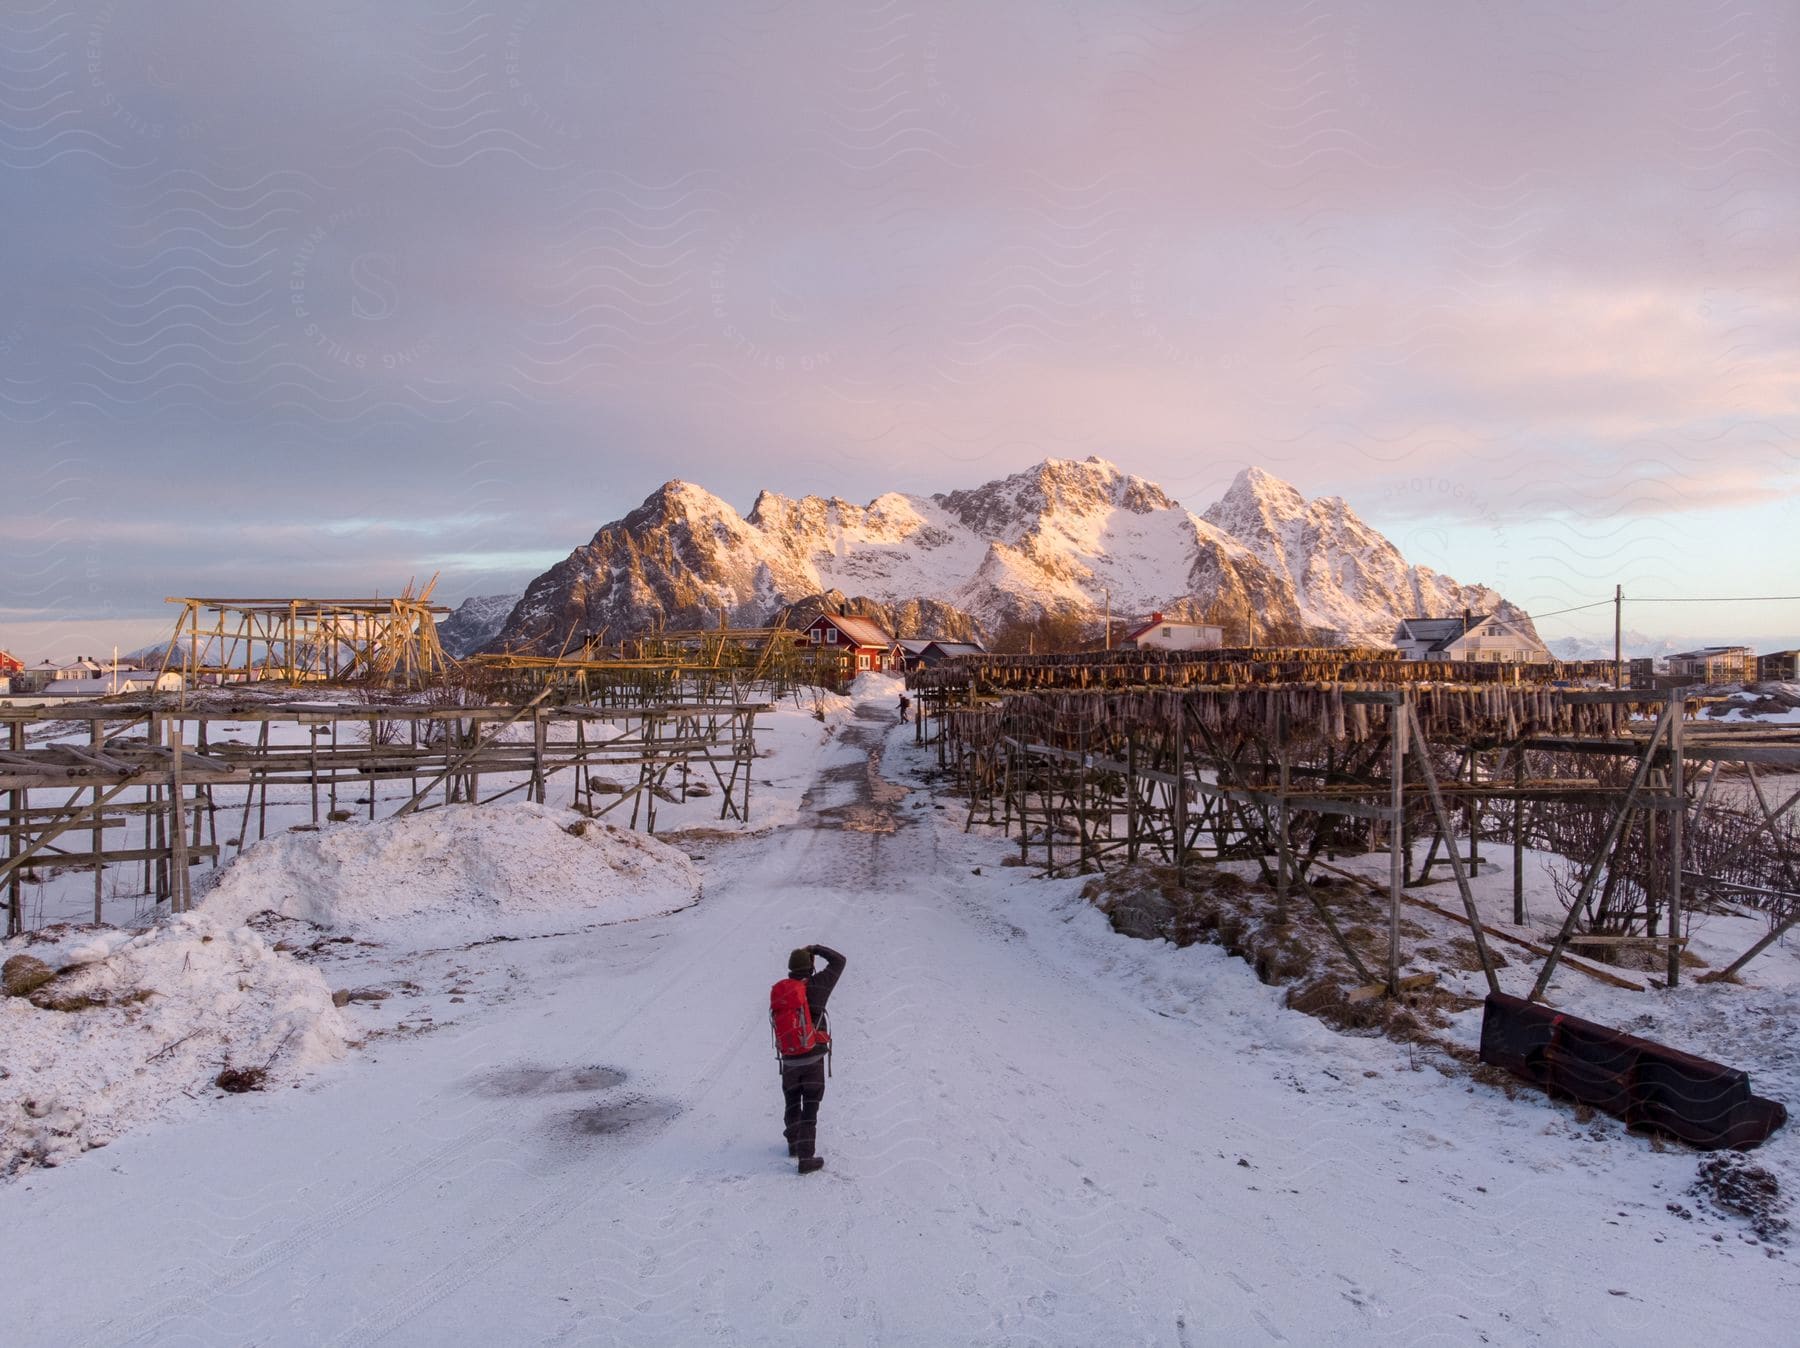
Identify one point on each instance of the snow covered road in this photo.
(1037, 1132)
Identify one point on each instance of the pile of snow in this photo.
(874, 687)
(455, 874)
(153, 1017)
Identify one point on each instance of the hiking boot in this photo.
(793, 1149)
(808, 1164)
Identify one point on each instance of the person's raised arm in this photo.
(819, 986)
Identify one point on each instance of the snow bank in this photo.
(159, 1014)
(873, 687)
(456, 874)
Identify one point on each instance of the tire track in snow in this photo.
(1052, 1241)
(537, 1222)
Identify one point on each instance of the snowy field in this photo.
(1037, 1131)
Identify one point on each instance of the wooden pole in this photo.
(1777, 929)
(1456, 866)
(94, 738)
(178, 848)
(537, 747)
(1131, 797)
(1179, 789)
(1677, 818)
(1618, 647)
(1397, 719)
(1281, 821)
(15, 900)
(1518, 838)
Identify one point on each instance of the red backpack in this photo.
(791, 1019)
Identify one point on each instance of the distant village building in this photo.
(1170, 634)
(1473, 636)
(863, 644)
(931, 654)
(9, 670)
(907, 651)
(115, 682)
(1778, 667)
(85, 677)
(38, 678)
(1716, 664)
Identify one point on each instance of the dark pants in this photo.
(803, 1087)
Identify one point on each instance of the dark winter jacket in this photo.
(818, 992)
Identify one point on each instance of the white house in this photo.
(1168, 634)
(39, 677)
(116, 681)
(1473, 636)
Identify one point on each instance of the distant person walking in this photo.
(803, 1044)
(905, 702)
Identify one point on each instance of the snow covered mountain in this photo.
(1057, 538)
(1343, 574)
(475, 622)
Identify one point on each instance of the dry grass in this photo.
(1222, 908)
(238, 1080)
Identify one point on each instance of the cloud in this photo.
(469, 282)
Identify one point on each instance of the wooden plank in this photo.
(1579, 966)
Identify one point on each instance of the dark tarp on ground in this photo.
(1703, 1103)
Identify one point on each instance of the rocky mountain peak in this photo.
(677, 500)
(1058, 537)
(1255, 494)
(1011, 508)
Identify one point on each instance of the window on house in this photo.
(1168, 631)
(814, 634)
(831, 636)
(862, 662)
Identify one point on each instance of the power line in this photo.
(1598, 603)
(1728, 599)
(1673, 599)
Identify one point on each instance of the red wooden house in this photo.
(862, 643)
(9, 666)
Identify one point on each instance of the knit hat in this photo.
(800, 963)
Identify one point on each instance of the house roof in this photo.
(128, 680)
(1706, 651)
(958, 648)
(912, 645)
(1439, 633)
(1135, 633)
(861, 631)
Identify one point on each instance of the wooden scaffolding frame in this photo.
(162, 772)
(1090, 778)
(300, 641)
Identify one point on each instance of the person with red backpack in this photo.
(803, 1046)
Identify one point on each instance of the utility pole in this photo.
(1109, 620)
(1618, 628)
